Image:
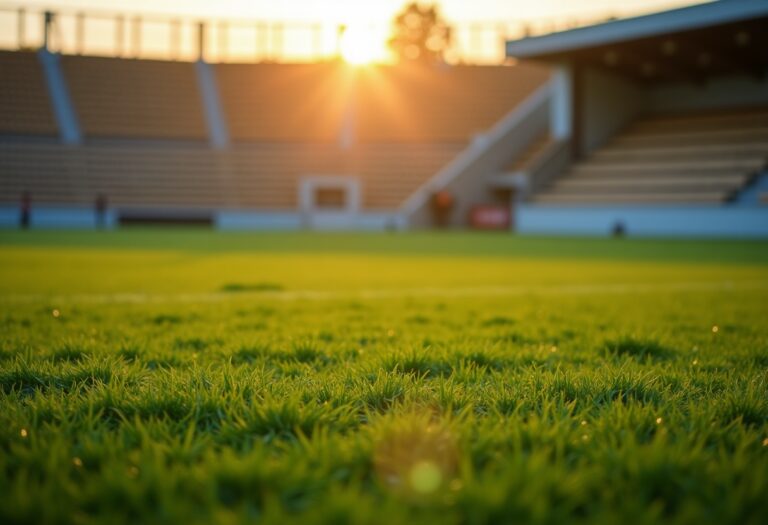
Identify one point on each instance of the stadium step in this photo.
(685, 158)
(693, 137)
(667, 167)
(671, 152)
(666, 183)
(630, 198)
(745, 120)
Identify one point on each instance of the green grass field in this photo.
(196, 377)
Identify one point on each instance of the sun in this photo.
(360, 45)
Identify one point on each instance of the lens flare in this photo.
(417, 458)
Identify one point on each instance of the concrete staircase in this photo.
(669, 159)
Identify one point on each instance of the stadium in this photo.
(613, 133)
(405, 266)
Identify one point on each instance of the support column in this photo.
(561, 105)
(21, 28)
(577, 111)
(47, 26)
(61, 102)
(218, 135)
(201, 42)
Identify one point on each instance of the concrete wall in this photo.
(717, 93)
(644, 221)
(276, 221)
(608, 104)
(680, 221)
(56, 217)
(754, 193)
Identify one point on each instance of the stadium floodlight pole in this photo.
(223, 41)
(175, 39)
(277, 40)
(262, 41)
(80, 33)
(47, 24)
(340, 38)
(317, 41)
(120, 35)
(201, 41)
(136, 37)
(22, 28)
(476, 39)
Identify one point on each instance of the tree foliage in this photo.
(420, 34)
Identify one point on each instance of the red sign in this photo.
(490, 217)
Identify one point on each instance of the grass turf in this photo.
(194, 377)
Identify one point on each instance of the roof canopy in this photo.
(688, 44)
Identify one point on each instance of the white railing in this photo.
(94, 32)
(468, 173)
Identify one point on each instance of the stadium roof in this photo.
(691, 43)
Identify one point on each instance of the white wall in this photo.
(644, 221)
(561, 110)
(609, 103)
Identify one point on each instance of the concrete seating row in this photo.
(263, 176)
(150, 99)
(706, 157)
(25, 108)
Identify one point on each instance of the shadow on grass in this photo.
(640, 349)
(251, 287)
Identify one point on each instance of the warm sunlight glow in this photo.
(360, 45)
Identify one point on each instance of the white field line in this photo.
(325, 295)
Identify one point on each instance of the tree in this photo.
(420, 34)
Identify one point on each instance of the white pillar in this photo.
(561, 110)
(63, 108)
(215, 118)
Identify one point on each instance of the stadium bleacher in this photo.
(391, 172)
(25, 108)
(137, 99)
(144, 129)
(283, 102)
(702, 157)
(146, 140)
(439, 104)
(262, 176)
(128, 175)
